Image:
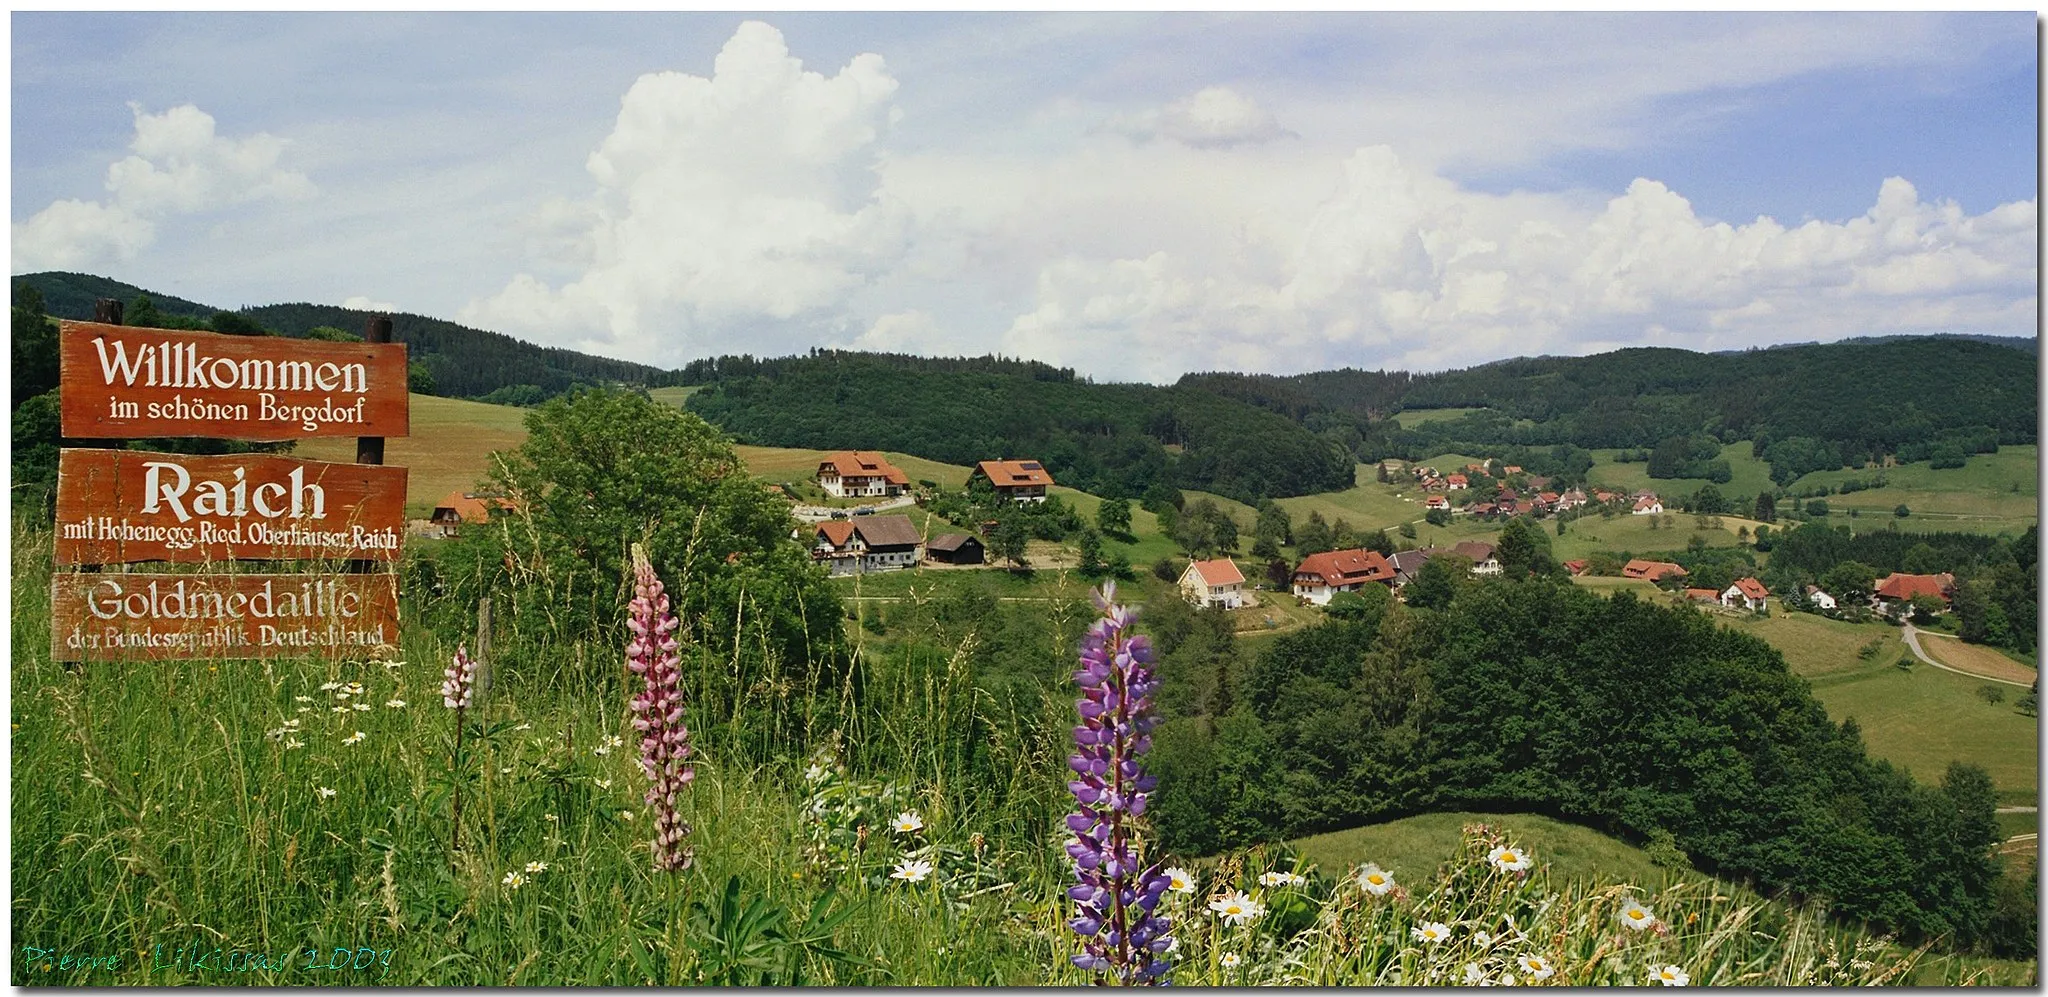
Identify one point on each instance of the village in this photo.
(865, 538)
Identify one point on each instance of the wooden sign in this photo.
(124, 382)
(99, 617)
(117, 506)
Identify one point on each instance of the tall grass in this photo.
(163, 811)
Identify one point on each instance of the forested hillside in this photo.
(1104, 438)
(463, 362)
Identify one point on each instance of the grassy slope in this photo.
(1413, 847)
(1990, 494)
(1587, 534)
(449, 448)
(1749, 475)
(1920, 719)
(1417, 416)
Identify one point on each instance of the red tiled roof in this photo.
(862, 464)
(835, 531)
(1575, 567)
(1751, 588)
(1456, 479)
(1222, 571)
(1647, 501)
(1702, 594)
(1345, 567)
(1904, 587)
(1651, 570)
(1013, 473)
(464, 507)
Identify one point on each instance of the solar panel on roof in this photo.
(1031, 465)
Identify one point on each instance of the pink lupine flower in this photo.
(651, 653)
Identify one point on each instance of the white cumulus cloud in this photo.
(180, 165)
(1405, 268)
(739, 205)
(1212, 117)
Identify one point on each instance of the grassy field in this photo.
(1417, 416)
(674, 395)
(1587, 534)
(1976, 658)
(1748, 475)
(449, 448)
(787, 464)
(1413, 847)
(1920, 719)
(1992, 493)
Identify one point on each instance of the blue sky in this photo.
(1136, 195)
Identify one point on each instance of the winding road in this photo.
(1912, 636)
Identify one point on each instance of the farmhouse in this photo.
(1819, 598)
(1016, 480)
(1702, 595)
(860, 474)
(866, 543)
(1895, 589)
(1571, 500)
(1213, 583)
(461, 507)
(1481, 555)
(1437, 502)
(956, 548)
(1652, 571)
(1746, 593)
(1408, 562)
(1457, 481)
(1648, 505)
(1320, 576)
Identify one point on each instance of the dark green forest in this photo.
(460, 362)
(1544, 697)
(1105, 438)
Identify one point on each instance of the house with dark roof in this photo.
(1016, 480)
(860, 474)
(1213, 583)
(1408, 563)
(866, 543)
(1483, 556)
(1320, 576)
(955, 548)
(460, 507)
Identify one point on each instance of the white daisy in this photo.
(337, 709)
(1635, 915)
(815, 773)
(1179, 880)
(602, 783)
(536, 867)
(1375, 880)
(361, 707)
(1509, 859)
(302, 699)
(912, 870)
(1431, 932)
(293, 742)
(525, 726)
(1536, 966)
(625, 815)
(1671, 976)
(908, 822)
(325, 793)
(355, 738)
(1231, 959)
(329, 686)
(1281, 879)
(396, 704)
(1237, 908)
(514, 880)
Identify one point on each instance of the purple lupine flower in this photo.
(1118, 919)
(658, 711)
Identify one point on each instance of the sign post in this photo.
(116, 507)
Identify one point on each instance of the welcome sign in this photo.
(126, 382)
(119, 506)
(156, 617)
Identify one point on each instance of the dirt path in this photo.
(1912, 636)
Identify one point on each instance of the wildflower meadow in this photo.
(295, 822)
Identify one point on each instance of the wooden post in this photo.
(370, 449)
(107, 310)
(482, 684)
